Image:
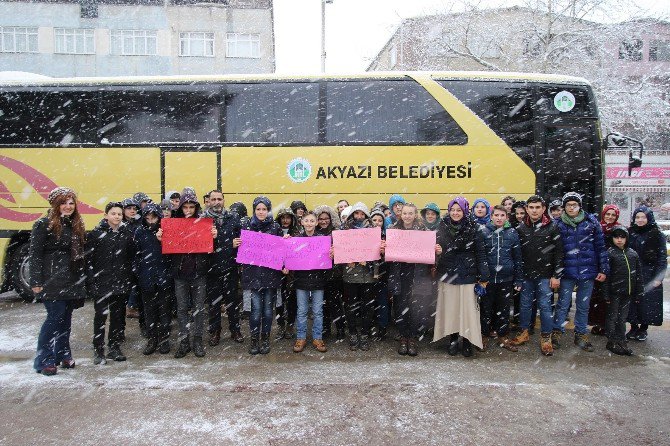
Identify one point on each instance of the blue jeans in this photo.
(260, 319)
(317, 313)
(53, 343)
(584, 290)
(536, 290)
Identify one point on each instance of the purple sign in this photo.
(307, 253)
(261, 250)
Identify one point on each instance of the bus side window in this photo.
(387, 112)
(166, 114)
(48, 117)
(281, 112)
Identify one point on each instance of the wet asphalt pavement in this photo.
(339, 397)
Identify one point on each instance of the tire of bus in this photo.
(19, 273)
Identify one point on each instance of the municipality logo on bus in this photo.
(564, 101)
(299, 170)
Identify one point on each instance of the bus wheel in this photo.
(20, 272)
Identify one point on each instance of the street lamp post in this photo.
(323, 34)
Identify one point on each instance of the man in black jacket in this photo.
(223, 277)
(109, 257)
(542, 254)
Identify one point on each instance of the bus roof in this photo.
(187, 79)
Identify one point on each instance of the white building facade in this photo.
(141, 37)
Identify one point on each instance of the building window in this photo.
(659, 50)
(74, 41)
(243, 45)
(18, 39)
(134, 42)
(393, 56)
(196, 44)
(631, 49)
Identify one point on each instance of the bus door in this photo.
(199, 168)
(570, 160)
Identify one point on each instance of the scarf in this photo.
(607, 227)
(565, 218)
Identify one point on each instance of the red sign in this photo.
(187, 235)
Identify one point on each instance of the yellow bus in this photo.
(428, 136)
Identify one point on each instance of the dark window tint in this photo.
(272, 113)
(568, 161)
(135, 115)
(505, 107)
(393, 112)
(48, 117)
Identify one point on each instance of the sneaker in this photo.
(353, 342)
(615, 348)
(582, 341)
(115, 354)
(632, 334)
(641, 335)
(183, 349)
(67, 363)
(319, 345)
(365, 343)
(523, 337)
(49, 370)
(99, 356)
(556, 339)
(624, 346)
(299, 345)
(546, 346)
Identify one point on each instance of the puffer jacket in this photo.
(463, 259)
(625, 277)
(541, 249)
(585, 254)
(109, 260)
(503, 250)
(51, 264)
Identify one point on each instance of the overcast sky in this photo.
(357, 29)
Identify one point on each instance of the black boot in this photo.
(99, 356)
(453, 345)
(255, 347)
(183, 349)
(115, 353)
(164, 346)
(265, 344)
(467, 348)
(198, 348)
(151, 347)
(615, 348)
(624, 346)
(412, 347)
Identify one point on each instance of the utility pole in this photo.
(323, 34)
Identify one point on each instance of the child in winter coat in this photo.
(261, 282)
(481, 211)
(309, 284)
(154, 280)
(110, 252)
(381, 289)
(623, 283)
(359, 280)
(286, 303)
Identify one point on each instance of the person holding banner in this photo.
(328, 221)
(262, 282)
(381, 289)
(309, 283)
(190, 281)
(359, 283)
(153, 274)
(462, 264)
(402, 277)
(286, 305)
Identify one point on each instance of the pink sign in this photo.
(410, 246)
(357, 245)
(307, 253)
(261, 250)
